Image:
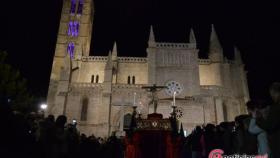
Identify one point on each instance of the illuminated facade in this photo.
(99, 91)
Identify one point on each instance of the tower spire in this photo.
(215, 49)
(192, 38)
(237, 56)
(114, 52)
(109, 62)
(152, 42)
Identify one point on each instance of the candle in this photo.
(134, 99)
(174, 98)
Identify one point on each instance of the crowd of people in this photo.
(33, 136)
(256, 133)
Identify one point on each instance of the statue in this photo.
(153, 89)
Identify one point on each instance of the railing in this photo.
(133, 59)
(120, 59)
(176, 45)
(144, 59)
(95, 58)
(100, 85)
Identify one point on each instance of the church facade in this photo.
(100, 91)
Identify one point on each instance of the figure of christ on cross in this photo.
(154, 89)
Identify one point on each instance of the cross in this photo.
(153, 89)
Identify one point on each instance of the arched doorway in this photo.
(127, 122)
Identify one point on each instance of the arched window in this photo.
(127, 121)
(84, 109)
(92, 78)
(70, 26)
(225, 112)
(133, 79)
(80, 6)
(73, 6)
(75, 30)
(97, 79)
(71, 49)
(128, 80)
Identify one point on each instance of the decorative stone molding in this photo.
(120, 59)
(127, 86)
(94, 58)
(62, 94)
(204, 61)
(216, 91)
(86, 85)
(132, 60)
(176, 45)
(92, 125)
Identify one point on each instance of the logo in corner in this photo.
(216, 153)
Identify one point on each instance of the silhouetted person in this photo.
(61, 146)
(224, 139)
(253, 107)
(210, 140)
(195, 142)
(244, 142)
(271, 124)
(51, 118)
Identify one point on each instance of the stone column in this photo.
(219, 110)
(122, 118)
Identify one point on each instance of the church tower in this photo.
(177, 62)
(73, 42)
(74, 35)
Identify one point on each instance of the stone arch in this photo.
(128, 80)
(97, 79)
(225, 111)
(84, 109)
(117, 118)
(127, 121)
(133, 79)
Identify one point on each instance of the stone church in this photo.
(100, 91)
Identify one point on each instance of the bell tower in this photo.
(74, 35)
(73, 42)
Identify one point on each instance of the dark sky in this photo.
(254, 27)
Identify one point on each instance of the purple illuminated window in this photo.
(73, 6)
(80, 6)
(70, 49)
(76, 27)
(73, 28)
(70, 25)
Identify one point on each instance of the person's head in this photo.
(210, 128)
(223, 126)
(197, 129)
(251, 105)
(239, 120)
(275, 92)
(61, 120)
(50, 118)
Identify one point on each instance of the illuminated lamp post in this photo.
(43, 108)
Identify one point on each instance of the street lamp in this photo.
(43, 106)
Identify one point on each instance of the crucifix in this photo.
(153, 89)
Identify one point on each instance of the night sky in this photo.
(251, 26)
